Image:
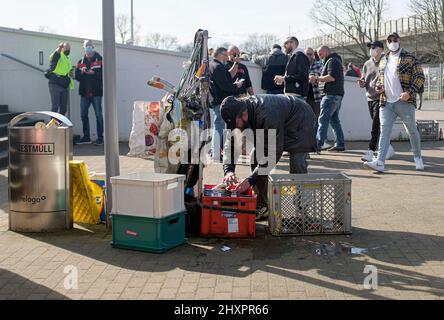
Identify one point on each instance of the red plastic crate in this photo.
(228, 217)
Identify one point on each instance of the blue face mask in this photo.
(89, 50)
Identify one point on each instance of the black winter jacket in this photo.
(292, 118)
(297, 73)
(275, 67)
(90, 84)
(221, 83)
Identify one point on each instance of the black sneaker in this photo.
(262, 214)
(99, 143)
(336, 149)
(84, 140)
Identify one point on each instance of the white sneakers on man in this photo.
(369, 156)
(390, 153)
(419, 164)
(375, 165)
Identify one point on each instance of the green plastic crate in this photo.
(148, 234)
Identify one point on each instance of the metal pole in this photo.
(132, 22)
(110, 101)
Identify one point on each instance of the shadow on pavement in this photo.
(15, 287)
(290, 257)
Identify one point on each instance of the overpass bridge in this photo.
(415, 39)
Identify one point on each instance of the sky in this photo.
(227, 21)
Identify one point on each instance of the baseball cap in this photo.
(289, 39)
(394, 35)
(375, 44)
(230, 109)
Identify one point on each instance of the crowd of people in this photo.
(305, 89)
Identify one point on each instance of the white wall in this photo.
(24, 89)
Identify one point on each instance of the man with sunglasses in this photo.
(401, 78)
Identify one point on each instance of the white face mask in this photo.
(394, 46)
(373, 53)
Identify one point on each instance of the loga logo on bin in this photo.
(33, 200)
(36, 148)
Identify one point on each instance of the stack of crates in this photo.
(226, 214)
(428, 129)
(312, 204)
(148, 212)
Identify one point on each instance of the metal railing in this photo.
(22, 62)
(404, 26)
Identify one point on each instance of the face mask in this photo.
(67, 52)
(394, 46)
(89, 50)
(373, 53)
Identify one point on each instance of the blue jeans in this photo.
(219, 126)
(85, 103)
(330, 107)
(388, 115)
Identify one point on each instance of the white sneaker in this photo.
(369, 157)
(326, 146)
(375, 165)
(390, 153)
(419, 164)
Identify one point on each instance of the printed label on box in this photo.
(229, 215)
(233, 225)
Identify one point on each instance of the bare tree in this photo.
(259, 43)
(351, 21)
(123, 30)
(45, 29)
(187, 48)
(161, 41)
(432, 14)
(123, 27)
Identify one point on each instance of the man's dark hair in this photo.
(276, 46)
(219, 51)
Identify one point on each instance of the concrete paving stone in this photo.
(152, 288)
(189, 288)
(167, 293)
(204, 294)
(409, 253)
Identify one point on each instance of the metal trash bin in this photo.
(39, 175)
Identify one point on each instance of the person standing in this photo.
(314, 93)
(297, 70)
(332, 77)
(221, 87)
(368, 81)
(239, 71)
(401, 78)
(60, 74)
(273, 64)
(90, 76)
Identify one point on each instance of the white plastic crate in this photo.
(148, 195)
(311, 204)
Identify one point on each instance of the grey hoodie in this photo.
(370, 74)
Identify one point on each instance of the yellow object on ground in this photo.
(83, 200)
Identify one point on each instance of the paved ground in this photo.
(398, 217)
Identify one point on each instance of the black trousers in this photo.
(316, 106)
(298, 165)
(373, 107)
